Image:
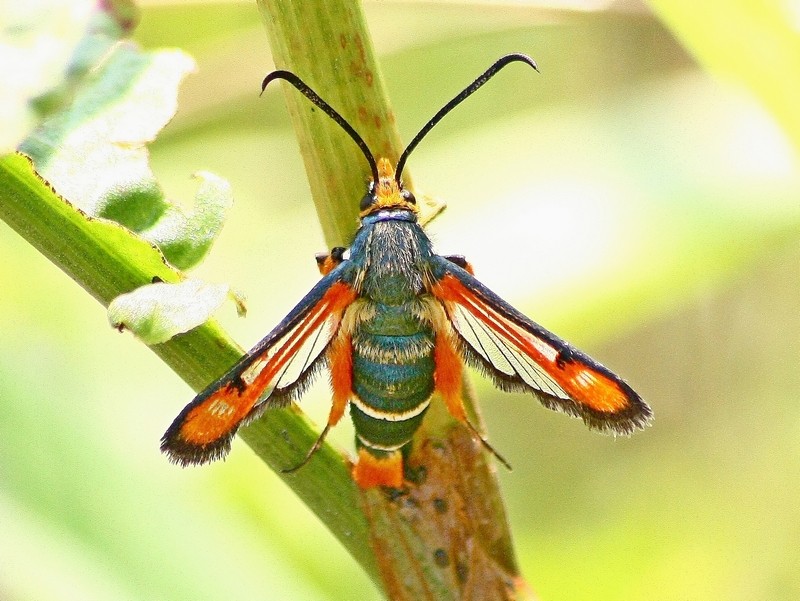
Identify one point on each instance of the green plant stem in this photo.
(421, 542)
(107, 260)
(327, 44)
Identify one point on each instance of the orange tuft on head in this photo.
(387, 193)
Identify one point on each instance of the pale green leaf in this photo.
(157, 312)
(185, 237)
(94, 152)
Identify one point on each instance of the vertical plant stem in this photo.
(447, 537)
(327, 44)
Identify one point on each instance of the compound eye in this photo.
(368, 200)
(409, 197)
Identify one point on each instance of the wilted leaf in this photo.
(94, 152)
(185, 237)
(157, 312)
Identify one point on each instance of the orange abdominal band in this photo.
(373, 471)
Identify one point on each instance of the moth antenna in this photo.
(328, 110)
(468, 91)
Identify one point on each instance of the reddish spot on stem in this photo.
(360, 45)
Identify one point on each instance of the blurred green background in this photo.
(638, 198)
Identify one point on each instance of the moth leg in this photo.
(340, 360)
(487, 446)
(447, 377)
(327, 261)
(314, 448)
(462, 262)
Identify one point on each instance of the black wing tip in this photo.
(625, 423)
(636, 416)
(184, 453)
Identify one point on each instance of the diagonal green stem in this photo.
(107, 260)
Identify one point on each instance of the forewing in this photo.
(276, 370)
(521, 355)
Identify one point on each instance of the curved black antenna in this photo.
(473, 87)
(328, 110)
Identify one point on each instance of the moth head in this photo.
(387, 192)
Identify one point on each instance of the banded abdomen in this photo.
(393, 368)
